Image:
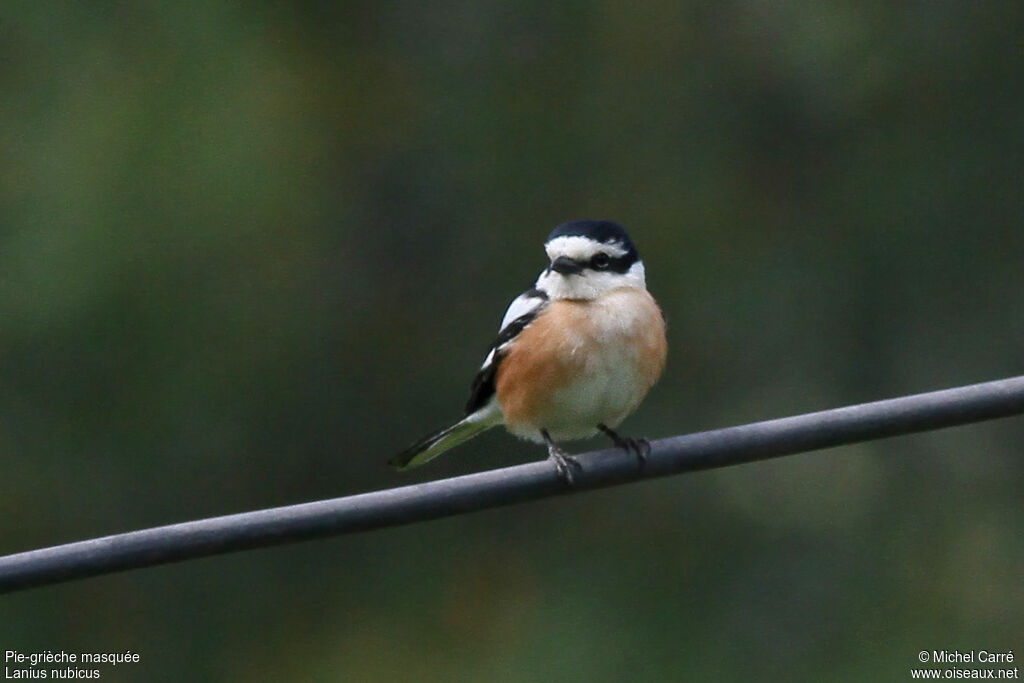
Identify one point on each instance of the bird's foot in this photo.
(565, 463)
(640, 447)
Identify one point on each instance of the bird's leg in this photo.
(641, 448)
(564, 463)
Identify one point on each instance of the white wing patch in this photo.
(521, 305)
(524, 304)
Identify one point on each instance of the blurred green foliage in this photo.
(249, 251)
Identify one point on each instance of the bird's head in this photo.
(588, 258)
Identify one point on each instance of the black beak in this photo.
(564, 265)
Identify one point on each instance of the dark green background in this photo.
(249, 251)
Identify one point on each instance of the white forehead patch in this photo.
(580, 248)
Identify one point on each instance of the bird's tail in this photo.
(433, 445)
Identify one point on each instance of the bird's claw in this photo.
(640, 447)
(565, 464)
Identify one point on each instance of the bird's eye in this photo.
(600, 261)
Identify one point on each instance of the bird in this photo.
(575, 354)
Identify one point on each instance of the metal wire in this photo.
(458, 495)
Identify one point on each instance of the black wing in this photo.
(525, 308)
